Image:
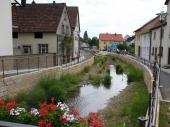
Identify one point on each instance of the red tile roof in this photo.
(166, 2)
(73, 12)
(37, 17)
(111, 37)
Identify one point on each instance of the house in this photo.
(143, 40)
(5, 28)
(106, 40)
(73, 14)
(130, 40)
(167, 36)
(45, 28)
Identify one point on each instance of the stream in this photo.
(90, 98)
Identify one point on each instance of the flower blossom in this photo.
(17, 111)
(10, 105)
(34, 112)
(1, 102)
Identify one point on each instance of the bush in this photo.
(49, 87)
(119, 69)
(96, 79)
(86, 69)
(107, 81)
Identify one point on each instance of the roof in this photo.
(157, 22)
(111, 37)
(37, 17)
(166, 2)
(73, 12)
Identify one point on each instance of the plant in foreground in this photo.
(56, 114)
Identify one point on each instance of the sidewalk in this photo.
(165, 83)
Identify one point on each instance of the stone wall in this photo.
(148, 76)
(10, 86)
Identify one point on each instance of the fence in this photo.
(151, 121)
(15, 65)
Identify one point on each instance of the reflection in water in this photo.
(91, 98)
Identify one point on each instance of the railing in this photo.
(151, 120)
(15, 65)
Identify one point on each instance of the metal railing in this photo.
(15, 65)
(151, 119)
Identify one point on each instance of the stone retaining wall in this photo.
(10, 86)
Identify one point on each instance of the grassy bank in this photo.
(164, 116)
(125, 109)
(50, 87)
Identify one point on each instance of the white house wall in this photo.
(145, 45)
(76, 39)
(5, 28)
(28, 39)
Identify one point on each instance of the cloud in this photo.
(120, 16)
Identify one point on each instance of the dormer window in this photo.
(38, 35)
(15, 34)
(62, 29)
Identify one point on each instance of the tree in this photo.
(85, 37)
(94, 42)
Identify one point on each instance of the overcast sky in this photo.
(120, 16)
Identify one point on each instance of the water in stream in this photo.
(89, 98)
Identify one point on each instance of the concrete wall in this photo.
(148, 77)
(5, 28)
(24, 82)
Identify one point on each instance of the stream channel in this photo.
(91, 98)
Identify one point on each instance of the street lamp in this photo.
(162, 19)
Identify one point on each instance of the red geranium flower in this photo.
(52, 107)
(48, 125)
(75, 112)
(41, 123)
(44, 111)
(93, 115)
(10, 105)
(1, 102)
(83, 120)
(95, 123)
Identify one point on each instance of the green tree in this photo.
(85, 37)
(94, 42)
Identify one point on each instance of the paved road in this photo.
(165, 82)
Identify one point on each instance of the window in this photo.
(43, 48)
(27, 49)
(154, 36)
(67, 29)
(38, 35)
(62, 29)
(161, 52)
(15, 34)
(152, 51)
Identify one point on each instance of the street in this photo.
(165, 82)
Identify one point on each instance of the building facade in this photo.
(167, 49)
(45, 28)
(106, 40)
(143, 39)
(6, 47)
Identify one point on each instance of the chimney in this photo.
(23, 2)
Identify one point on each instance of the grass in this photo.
(132, 103)
(164, 116)
(49, 87)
